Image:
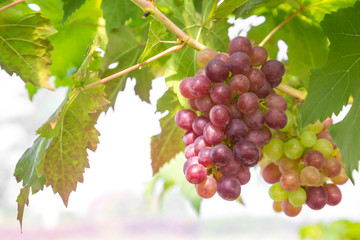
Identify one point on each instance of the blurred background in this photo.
(115, 200)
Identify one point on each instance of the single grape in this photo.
(293, 149)
(220, 115)
(274, 149)
(189, 137)
(266, 135)
(184, 87)
(246, 153)
(190, 161)
(239, 84)
(199, 86)
(220, 93)
(213, 134)
(216, 70)
(290, 121)
(236, 130)
(256, 78)
(228, 188)
(254, 120)
(308, 138)
(341, 178)
(289, 209)
(191, 102)
(239, 63)
(277, 193)
(243, 175)
(274, 71)
(223, 57)
(204, 157)
(277, 207)
(221, 155)
(323, 146)
(298, 197)
(248, 103)
(201, 71)
(207, 188)
(315, 127)
(271, 173)
(200, 143)
(286, 164)
(255, 136)
(314, 158)
(231, 168)
(190, 151)
(316, 197)
(258, 56)
(331, 168)
(275, 101)
(310, 176)
(195, 173)
(204, 56)
(199, 124)
(239, 44)
(264, 91)
(204, 104)
(235, 112)
(333, 193)
(290, 181)
(184, 119)
(275, 118)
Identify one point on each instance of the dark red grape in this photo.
(248, 103)
(316, 197)
(258, 56)
(246, 153)
(228, 188)
(223, 57)
(254, 120)
(204, 104)
(266, 134)
(256, 78)
(199, 86)
(204, 156)
(275, 118)
(239, 63)
(255, 136)
(239, 84)
(276, 101)
(220, 115)
(243, 175)
(239, 44)
(314, 158)
(213, 134)
(200, 143)
(264, 91)
(331, 168)
(271, 173)
(333, 193)
(220, 93)
(231, 168)
(199, 124)
(217, 71)
(221, 155)
(184, 87)
(189, 162)
(189, 137)
(235, 112)
(195, 173)
(236, 130)
(274, 71)
(207, 188)
(184, 119)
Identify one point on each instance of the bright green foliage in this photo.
(73, 132)
(22, 199)
(168, 143)
(227, 7)
(70, 6)
(173, 175)
(117, 12)
(24, 46)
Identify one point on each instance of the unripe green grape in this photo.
(324, 146)
(308, 138)
(293, 149)
(297, 197)
(277, 193)
(315, 127)
(274, 149)
(290, 121)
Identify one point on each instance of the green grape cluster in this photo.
(303, 167)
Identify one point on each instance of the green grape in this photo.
(290, 121)
(315, 127)
(297, 197)
(293, 149)
(308, 138)
(277, 193)
(324, 146)
(274, 149)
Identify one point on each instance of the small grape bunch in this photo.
(233, 107)
(300, 167)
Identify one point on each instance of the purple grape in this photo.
(223, 57)
(243, 175)
(264, 91)
(246, 153)
(204, 157)
(239, 84)
(236, 130)
(258, 56)
(184, 87)
(199, 86)
(275, 118)
(276, 101)
(255, 136)
(220, 93)
(256, 78)
(228, 188)
(239, 44)
(266, 134)
(221, 155)
(235, 112)
(199, 124)
(316, 197)
(333, 193)
(200, 143)
(204, 104)
(216, 70)
(254, 120)
(184, 119)
(195, 173)
(220, 115)
(189, 137)
(248, 103)
(213, 134)
(314, 158)
(274, 71)
(231, 168)
(239, 63)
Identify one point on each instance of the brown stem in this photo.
(132, 68)
(11, 5)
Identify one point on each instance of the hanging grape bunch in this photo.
(233, 105)
(299, 166)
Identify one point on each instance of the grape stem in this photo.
(291, 91)
(11, 5)
(132, 68)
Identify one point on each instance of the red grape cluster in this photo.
(299, 168)
(233, 105)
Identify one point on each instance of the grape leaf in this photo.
(168, 143)
(24, 46)
(70, 6)
(332, 85)
(73, 132)
(246, 7)
(227, 7)
(117, 12)
(172, 175)
(22, 199)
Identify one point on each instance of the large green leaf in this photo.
(331, 85)
(227, 7)
(70, 6)
(24, 46)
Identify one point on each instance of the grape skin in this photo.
(256, 78)
(184, 119)
(204, 157)
(220, 155)
(274, 71)
(236, 130)
(239, 84)
(254, 120)
(199, 124)
(204, 56)
(271, 173)
(204, 104)
(190, 161)
(195, 173)
(189, 137)
(199, 86)
(207, 188)
(239, 44)
(220, 93)
(184, 87)
(190, 151)
(217, 70)
(220, 115)
(275, 118)
(213, 134)
(258, 56)
(228, 188)
(246, 153)
(239, 63)
(316, 197)
(248, 103)
(333, 193)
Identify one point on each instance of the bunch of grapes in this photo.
(299, 167)
(233, 107)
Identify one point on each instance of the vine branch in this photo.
(11, 5)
